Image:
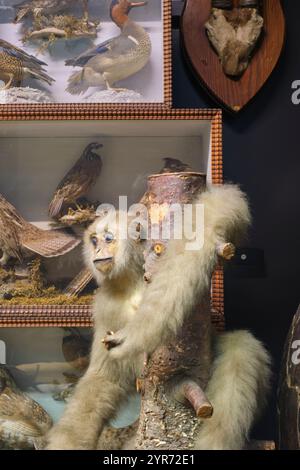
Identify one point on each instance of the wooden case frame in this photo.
(55, 111)
(80, 315)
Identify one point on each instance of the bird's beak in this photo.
(98, 146)
(137, 4)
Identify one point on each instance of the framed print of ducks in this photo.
(67, 54)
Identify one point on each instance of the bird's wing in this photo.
(10, 225)
(110, 49)
(70, 177)
(48, 243)
(82, 59)
(70, 187)
(10, 234)
(21, 416)
(18, 53)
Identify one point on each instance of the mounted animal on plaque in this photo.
(233, 46)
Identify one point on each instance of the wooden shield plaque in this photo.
(232, 93)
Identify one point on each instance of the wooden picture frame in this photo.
(63, 111)
(80, 315)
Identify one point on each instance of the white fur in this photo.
(183, 277)
(145, 317)
(237, 390)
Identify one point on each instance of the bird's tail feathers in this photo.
(21, 14)
(55, 206)
(77, 85)
(39, 75)
(238, 389)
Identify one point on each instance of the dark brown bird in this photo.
(172, 165)
(78, 180)
(19, 238)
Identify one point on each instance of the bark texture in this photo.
(170, 398)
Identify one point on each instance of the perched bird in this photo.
(16, 65)
(22, 420)
(172, 165)
(20, 239)
(116, 58)
(37, 8)
(78, 180)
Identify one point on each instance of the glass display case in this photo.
(85, 52)
(45, 312)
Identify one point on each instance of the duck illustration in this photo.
(115, 59)
(23, 421)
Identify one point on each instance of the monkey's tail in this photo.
(237, 390)
(39, 75)
(77, 84)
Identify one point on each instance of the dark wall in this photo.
(261, 153)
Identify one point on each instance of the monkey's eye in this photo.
(158, 248)
(109, 237)
(94, 240)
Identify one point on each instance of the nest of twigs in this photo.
(53, 28)
(79, 216)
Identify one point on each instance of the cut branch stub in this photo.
(197, 398)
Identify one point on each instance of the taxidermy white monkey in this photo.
(125, 305)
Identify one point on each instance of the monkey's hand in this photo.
(119, 344)
(112, 340)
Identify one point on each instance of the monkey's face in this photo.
(102, 248)
(105, 252)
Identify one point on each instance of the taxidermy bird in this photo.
(115, 59)
(78, 180)
(37, 8)
(172, 165)
(19, 238)
(234, 33)
(22, 420)
(16, 65)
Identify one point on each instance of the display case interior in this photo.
(110, 52)
(35, 158)
(39, 366)
(43, 365)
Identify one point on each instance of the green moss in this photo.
(58, 299)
